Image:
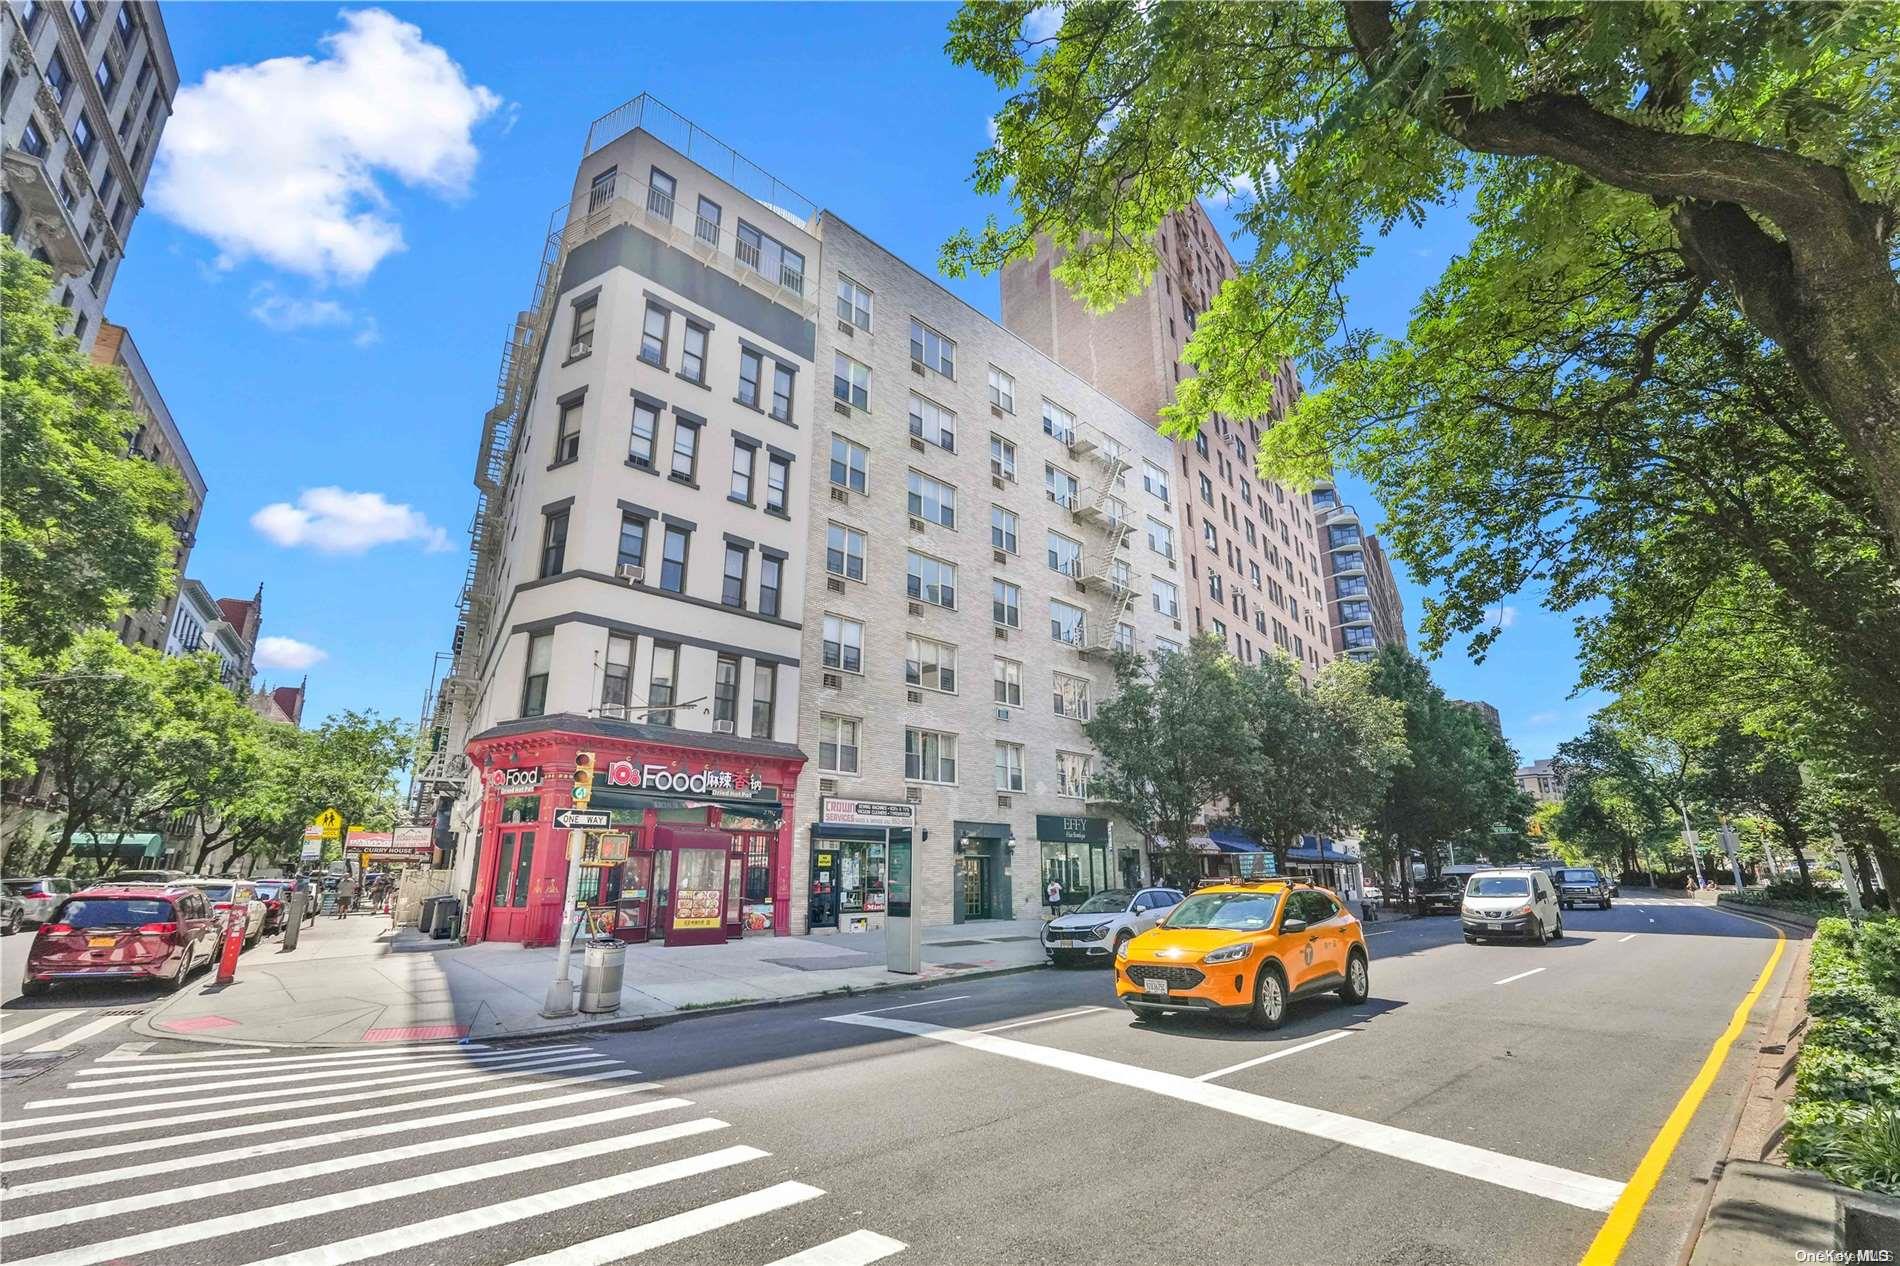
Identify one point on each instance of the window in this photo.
(107, 183)
(770, 258)
(1253, 574)
(854, 303)
(84, 139)
(660, 190)
(1003, 525)
(685, 449)
(1072, 697)
(764, 696)
(554, 543)
(1009, 766)
(1063, 488)
(673, 558)
(1340, 536)
(771, 583)
(933, 423)
(837, 744)
(600, 191)
(99, 272)
(751, 369)
(59, 78)
(1008, 683)
(1154, 479)
(82, 17)
(693, 354)
(567, 433)
(930, 756)
(1065, 556)
(660, 695)
(633, 541)
(1161, 538)
(1351, 612)
(1349, 586)
(1125, 638)
(1006, 604)
(851, 382)
(930, 500)
(931, 580)
(534, 685)
(930, 665)
(1002, 390)
(743, 457)
(653, 336)
(706, 222)
(726, 693)
(782, 378)
(105, 77)
(844, 644)
(1167, 599)
(1072, 775)
(732, 590)
(581, 341)
(932, 349)
(1207, 490)
(31, 140)
(850, 464)
(844, 551)
(1002, 458)
(1167, 646)
(1065, 622)
(1214, 586)
(646, 426)
(1058, 422)
(1210, 535)
(122, 23)
(778, 477)
(1200, 443)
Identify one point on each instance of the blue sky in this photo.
(328, 312)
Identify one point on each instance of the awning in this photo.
(133, 846)
(1235, 842)
(1313, 849)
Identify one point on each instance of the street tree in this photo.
(1172, 740)
(1756, 144)
(1742, 772)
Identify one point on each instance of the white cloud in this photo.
(1502, 617)
(282, 160)
(333, 521)
(284, 314)
(1043, 23)
(288, 653)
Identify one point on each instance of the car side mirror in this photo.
(1288, 926)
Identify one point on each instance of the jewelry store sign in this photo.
(838, 811)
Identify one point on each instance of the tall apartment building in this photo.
(85, 92)
(814, 560)
(1541, 781)
(1253, 574)
(1366, 609)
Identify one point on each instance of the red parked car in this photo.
(123, 932)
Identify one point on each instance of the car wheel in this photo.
(13, 924)
(1358, 979)
(1558, 935)
(1540, 934)
(1269, 998)
(1115, 954)
(174, 983)
(35, 988)
(1470, 939)
(1606, 905)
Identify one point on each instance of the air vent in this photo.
(917, 367)
(834, 584)
(1002, 714)
(827, 785)
(1177, 624)
(996, 410)
(913, 696)
(841, 496)
(834, 681)
(996, 481)
(722, 727)
(999, 556)
(1002, 634)
(1002, 802)
(845, 328)
(917, 444)
(916, 608)
(914, 794)
(917, 525)
(840, 408)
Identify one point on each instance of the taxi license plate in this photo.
(101, 942)
(1155, 986)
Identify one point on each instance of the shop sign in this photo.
(707, 782)
(837, 811)
(514, 779)
(1059, 829)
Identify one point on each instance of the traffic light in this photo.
(583, 777)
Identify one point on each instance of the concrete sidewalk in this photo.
(358, 980)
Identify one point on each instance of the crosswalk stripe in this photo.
(74, 1156)
(356, 1198)
(71, 1215)
(38, 1022)
(670, 1230)
(124, 1051)
(276, 1078)
(353, 1091)
(503, 1212)
(74, 1036)
(859, 1248)
(154, 1069)
(302, 1142)
(382, 1059)
(233, 1049)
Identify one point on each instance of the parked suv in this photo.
(1440, 895)
(123, 932)
(1517, 903)
(1579, 884)
(1097, 927)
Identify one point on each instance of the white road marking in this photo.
(156, 1070)
(9, 1129)
(1280, 1054)
(908, 1005)
(700, 1221)
(278, 1147)
(860, 1248)
(344, 1163)
(15, 1165)
(1584, 1191)
(487, 1217)
(38, 1022)
(1040, 1019)
(1508, 979)
(346, 1202)
(73, 1036)
(1630, 937)
(124, 1051)
(1382, 932)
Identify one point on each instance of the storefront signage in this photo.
(837, 811)
(1066, 830)
(514, 779)
(713, 782)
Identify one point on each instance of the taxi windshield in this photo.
(1227, 911)
(1108, 901)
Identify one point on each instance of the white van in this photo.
(1517, 903)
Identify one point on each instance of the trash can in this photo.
(425, 914)
(603, 967)
(448, 919)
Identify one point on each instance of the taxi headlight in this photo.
(1121, 951)
(1228, 953)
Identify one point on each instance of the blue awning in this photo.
(1235, 842)
(1313, 848)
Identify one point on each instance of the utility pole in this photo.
(1688, 835)
(560, 999)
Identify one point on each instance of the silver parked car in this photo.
(40, 895)
(1097, 927)
(12, 912)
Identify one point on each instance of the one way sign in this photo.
(581, 819)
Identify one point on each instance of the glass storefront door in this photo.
(1080, 869)
(973, 885)
(699, 895)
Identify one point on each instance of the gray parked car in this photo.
(1097, 927)
(12, 912)
(40, 895)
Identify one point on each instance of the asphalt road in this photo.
(1466, 1113)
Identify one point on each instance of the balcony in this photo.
(51, 224)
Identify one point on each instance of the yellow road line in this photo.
(1617, 1228)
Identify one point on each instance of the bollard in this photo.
(293, 918)
(234, 921)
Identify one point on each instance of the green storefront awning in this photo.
(132, 846)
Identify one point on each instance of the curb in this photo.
(1787, 918)
(142, 1025)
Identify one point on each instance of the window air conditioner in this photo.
(632, 573)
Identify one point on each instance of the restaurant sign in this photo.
(704, 782)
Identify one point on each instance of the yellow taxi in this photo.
(1245, 948)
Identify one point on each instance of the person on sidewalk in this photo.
(1055, 897)
(345, 893)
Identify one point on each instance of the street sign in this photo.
(582, 819)
(330, 823)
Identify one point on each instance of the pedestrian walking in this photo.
(1055, 897)
(345, 893)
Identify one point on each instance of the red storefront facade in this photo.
(699, 848)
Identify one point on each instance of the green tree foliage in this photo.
(1623, 793)
(1751, 148)
(1740, 772)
